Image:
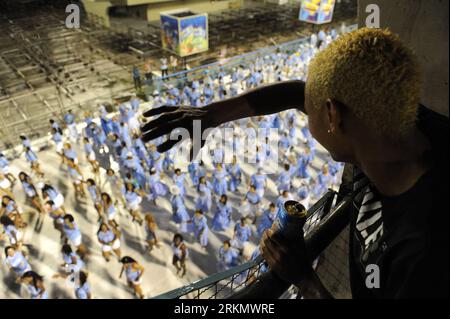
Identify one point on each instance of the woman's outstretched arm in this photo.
(264, 100)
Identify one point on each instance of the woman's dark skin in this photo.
(392, 167)
(265, 100)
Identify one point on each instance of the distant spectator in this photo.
(148, 67)
(164, 67)
(136, 78)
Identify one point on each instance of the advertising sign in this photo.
(169, 33)
(317, 11)
(193, 35)
(184, 32)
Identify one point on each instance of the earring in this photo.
(329, 131)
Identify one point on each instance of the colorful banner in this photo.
(193, 35)
(184, 33)
(169, 33)
(317, 11)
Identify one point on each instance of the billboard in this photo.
(169, 33)
(184, 32)
(193, 35)
(317, 11)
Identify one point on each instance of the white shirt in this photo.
(5, 183)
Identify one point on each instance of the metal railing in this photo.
(227, 65)
(326, 220)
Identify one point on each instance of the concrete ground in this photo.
(43, 245)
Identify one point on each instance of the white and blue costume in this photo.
(259, 181)
(157, 187)
(242, 235)
(179, 182)
(201, 229)
(70, 266)
(204, 200)
(82, 292)
(133, 200)
(180, 215)
(18, 263)
(227, 258)
(254, 200)
(284, 180)
(235, 173)
(267, 220)
(72, 234)
(222, 216)
(35, 292)
(220, 184)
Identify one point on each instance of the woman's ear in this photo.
(334, 113)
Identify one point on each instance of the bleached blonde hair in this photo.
(374, 74)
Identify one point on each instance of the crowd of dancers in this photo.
(111, 169)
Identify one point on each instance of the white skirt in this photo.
(59, 200)
(255, 209)
(133, 124)
(260, 192)
(134, 205)
(73, 132)
(111, 216)
(137, 282)
(31, 193)
(115, 245)
(91, 156)
(19, 237)
(237, 244)
(5, 184)
(59, 147)
(77, 180)
(6, 170)
(75, 241)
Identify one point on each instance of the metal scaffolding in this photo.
(46, 69)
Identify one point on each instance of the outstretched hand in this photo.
(176, 117)
(268, 99)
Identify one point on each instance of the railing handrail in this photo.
(236, 57)
(210, 280)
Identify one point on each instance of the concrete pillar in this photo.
(423, 25)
